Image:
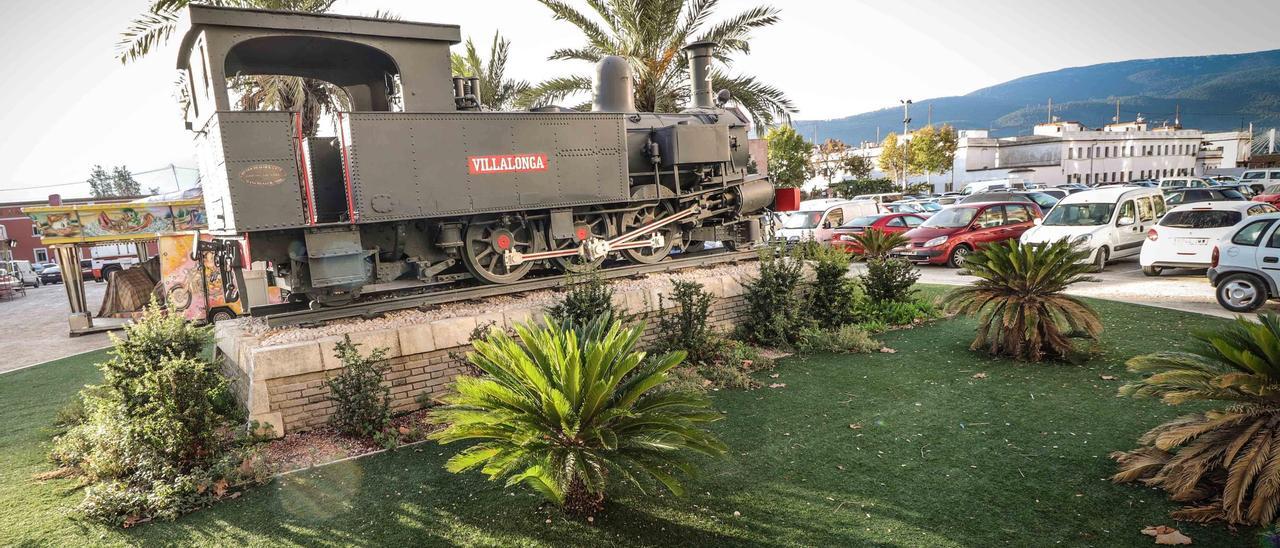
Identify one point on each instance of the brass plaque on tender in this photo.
(262, 175)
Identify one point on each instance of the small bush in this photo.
(775, 309)
(832, 295)
(684, 327)
(847, 339)
(588, 298)
(363, 401)
(731, 366)
(154, 441)
(894, 313)
(806, 249)
(876, 244)
(888, 280)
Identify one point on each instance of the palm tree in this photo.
(1224, 463)
(256, 92)
(650, 35)
(566, 410)
(496, 91)
(1022, 312)
(876, 243)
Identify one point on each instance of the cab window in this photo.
(835, 217)
(912, 220)
(1251, 234)
(1014, 214)
(1274, 176)
(990, 217)
(1146, 211)
(1127, 210)
(896, 221)
(1253, 175)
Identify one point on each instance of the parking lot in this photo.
(1178, 289)
(33, 329)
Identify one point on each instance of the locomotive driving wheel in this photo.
(485, 242)
(591, 224)
(647, 214)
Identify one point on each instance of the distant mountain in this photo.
(1215, 93)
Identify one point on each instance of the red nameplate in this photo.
(506, 163)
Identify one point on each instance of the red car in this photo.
(843, 237)
(951, 234)
(1270, 195)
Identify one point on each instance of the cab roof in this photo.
(1108, 195)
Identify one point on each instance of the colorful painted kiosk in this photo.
(67, 228)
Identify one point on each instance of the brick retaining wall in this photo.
(282, 385)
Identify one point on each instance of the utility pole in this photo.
(1050, 120)
(906, 121)
(174, 169)
(930, 118)
(1117, 118)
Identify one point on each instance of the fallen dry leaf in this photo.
(887, 350)
(856, 426)
(747, 363)
(1166, 535)
(979, 375)
(774, 376)
(404, 430)
(220, 488)
(1107, 377)
(778, 385)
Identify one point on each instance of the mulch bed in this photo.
(324, 445)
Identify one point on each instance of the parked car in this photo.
(1243, 264)
(1185, 237)
(51, 275)
(1222, 180)
(1261, 176)
(951, 234)
(1183, 182)
(22, 272)
(1270, 194)
(1109, 222)
(924, 208)
(1245, 190)
(1192, 195)
(38, 267)
(817, 219)
(844, 236)
(1074, 188)
(1044, 201)
(1147, 184)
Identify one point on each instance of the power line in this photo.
(86, 181)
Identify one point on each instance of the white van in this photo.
(1183, 182)
(1260, 176)
(21, 270)
(1110, 222)
(817, 219)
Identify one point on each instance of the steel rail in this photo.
(374, 308)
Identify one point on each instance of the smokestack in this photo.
(459, 86)
(55, 199)
(613, 87)
(700, 73)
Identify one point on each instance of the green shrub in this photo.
(588, 297)
(155, 440)
(363, 401)
(775, 310)
(888, 280)
(566, 412)
(844, 339)
(876, 243)
(730, 366)
(831, 297)
(684, 327)
(895, 313)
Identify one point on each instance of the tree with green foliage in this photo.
(1225, 462)
(789, 153)
(933, 149)
(118, 182)
(568, 411)
(650, 35)
(850, 188)
(497, 92)
(895, 157)
(827, 159)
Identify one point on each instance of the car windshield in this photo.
(952, 218)
(801, 219)
(1200, 218)
(867, 220)
(1231, 194)
(930, 206)
(1043, 200)
(1080, 215)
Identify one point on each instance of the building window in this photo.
(41, 255)
(35, 229)
(1088, 178)
(1071, 153)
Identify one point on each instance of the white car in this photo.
(1244, 267)
(818, 219)
(1109, 222)
(1185, 237)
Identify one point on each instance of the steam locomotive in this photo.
(420, 184)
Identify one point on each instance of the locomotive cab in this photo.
(418, 184)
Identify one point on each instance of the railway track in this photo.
(294, 313)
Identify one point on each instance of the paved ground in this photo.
(33, 329)
(1180, 289)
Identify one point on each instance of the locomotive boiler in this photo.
(420, 184)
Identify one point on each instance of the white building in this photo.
(1067, 152)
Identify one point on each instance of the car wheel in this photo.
(958, 256)
(1100, 260)
(1152, 270)
(1241, 293)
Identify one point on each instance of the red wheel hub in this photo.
(502, 241)
(581, 233)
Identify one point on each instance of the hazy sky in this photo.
(68, 104)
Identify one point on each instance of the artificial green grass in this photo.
(937, 458)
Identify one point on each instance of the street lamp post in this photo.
(906, 121)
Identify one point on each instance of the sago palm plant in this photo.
(876, 243)
(1018, 300)
(1224, 463)
(568, 411)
